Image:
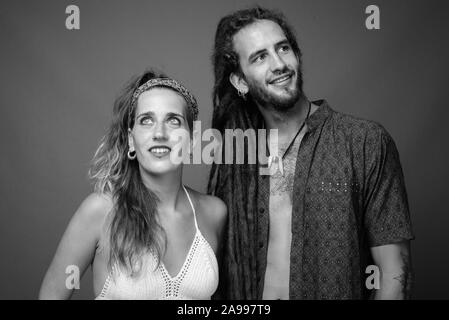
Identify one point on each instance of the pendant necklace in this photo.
(281, 159)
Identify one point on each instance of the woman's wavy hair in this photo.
(237, 185)
(133, 228)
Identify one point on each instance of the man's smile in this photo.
(283, 79)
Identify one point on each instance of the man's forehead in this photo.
(257, 36)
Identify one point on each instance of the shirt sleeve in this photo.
(386, 215)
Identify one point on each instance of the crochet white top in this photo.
(197, 279)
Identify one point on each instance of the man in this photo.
(335, 202)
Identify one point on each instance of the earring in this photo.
(132, 154)
(241, 94)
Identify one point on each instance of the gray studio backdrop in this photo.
(58, 86)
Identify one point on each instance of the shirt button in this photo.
(260, 244)
(261, 210)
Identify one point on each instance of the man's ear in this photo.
(130, 140)
(238, 82)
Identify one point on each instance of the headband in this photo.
(169, 83)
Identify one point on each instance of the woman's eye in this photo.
(174, 121)
(146, 120)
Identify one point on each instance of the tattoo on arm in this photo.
(406, 277)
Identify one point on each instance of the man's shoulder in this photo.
(358, 128)
(352, 122)
(362, 135)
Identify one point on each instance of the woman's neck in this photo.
(167, 187)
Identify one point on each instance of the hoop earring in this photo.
(132, 154)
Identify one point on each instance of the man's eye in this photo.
(260, 57)
(285, 48)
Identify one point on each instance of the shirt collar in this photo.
(319, 116)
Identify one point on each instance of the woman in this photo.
(145, 234)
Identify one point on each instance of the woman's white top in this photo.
(197, 279)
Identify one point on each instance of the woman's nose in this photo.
(160, 132)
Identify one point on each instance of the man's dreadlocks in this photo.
(237, 185)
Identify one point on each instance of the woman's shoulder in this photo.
(94, 209)
(211, 207)
(97, 203)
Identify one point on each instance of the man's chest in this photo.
(323, 180)
(281, 182)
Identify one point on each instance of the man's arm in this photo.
(396, 274)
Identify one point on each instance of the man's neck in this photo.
(287, 122)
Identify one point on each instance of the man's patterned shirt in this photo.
(348, 195)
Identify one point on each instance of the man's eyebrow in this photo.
(255, 54)
(277, 45)
(281, 43)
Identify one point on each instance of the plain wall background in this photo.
(58, 86)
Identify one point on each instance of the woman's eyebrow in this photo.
(171, 114)
(148, 113)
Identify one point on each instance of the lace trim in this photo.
(105, 287)
(172, 285)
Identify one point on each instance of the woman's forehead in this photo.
(161, 101)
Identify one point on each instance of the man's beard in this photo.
(266, 99)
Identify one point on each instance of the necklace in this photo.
(271, 158)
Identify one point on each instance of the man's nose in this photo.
(160, 132)
(278, 64)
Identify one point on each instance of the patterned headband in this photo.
(170, 83)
